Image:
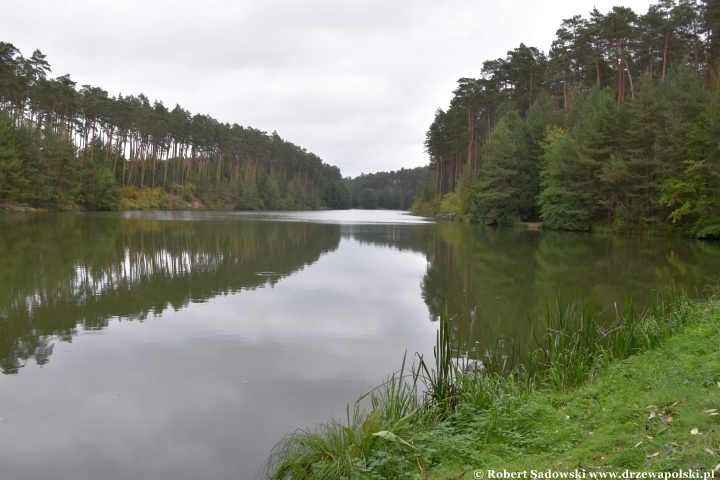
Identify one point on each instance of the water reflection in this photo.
(245, 327)
(497, 280)
(242, 330)
(61, 272)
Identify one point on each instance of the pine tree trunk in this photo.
(165, 173)
(154, 163)
(142, 170)
(632, 89)
(665, 53)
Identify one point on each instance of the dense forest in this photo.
(394, 190)
(66, 148)
(618, 126)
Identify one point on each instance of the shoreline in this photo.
(637, 414)
(655, 410)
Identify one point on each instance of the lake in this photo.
(185, 344)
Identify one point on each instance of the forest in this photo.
(616, 127)
(64, 147)
(395, 190)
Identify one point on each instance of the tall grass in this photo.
(571, 343)
(578, 340)
(440, 382)
(340, 449)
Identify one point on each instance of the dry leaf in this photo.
(638, 444)
(711, 452)
(667, 419)
(714, 414)
(652, 415)
(652, 407)
(694, 431)
(712, 410)
(653, 455)
(674, 444)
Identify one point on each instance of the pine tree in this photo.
(11, 180)
(503, 176)
(270, 194)
(565, 201)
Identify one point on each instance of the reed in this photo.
(440, 380)
(577, 340)
(340, 449)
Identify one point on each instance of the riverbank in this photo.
(450, 207)
(130, 199)
(157, 199)
(653, 411)
(656, 411)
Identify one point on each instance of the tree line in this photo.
(617, 126)
(395, 190)
(64, 147)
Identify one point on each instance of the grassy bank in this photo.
(640, 391)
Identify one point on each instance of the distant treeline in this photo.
(67, 148)
(618, 126)
(394, 190)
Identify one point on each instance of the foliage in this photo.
(637, 101)
(337, 196)
(63, 148)
(503, 177)
(367, 199)
(10, 173)
(427, 202)
(394, 190)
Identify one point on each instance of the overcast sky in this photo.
(355, 81)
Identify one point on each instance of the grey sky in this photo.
(356, 82)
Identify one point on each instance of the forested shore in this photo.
(395, 190)
(64, 147)
(617, 126)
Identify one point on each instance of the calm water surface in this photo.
(185, 344)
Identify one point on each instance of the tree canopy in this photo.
(393, 190)
(64, 147)
(616, 126)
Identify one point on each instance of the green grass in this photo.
(636, 413)
(593, 393)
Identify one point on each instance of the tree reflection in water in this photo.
(62, 272)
